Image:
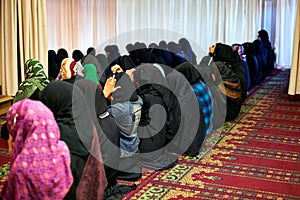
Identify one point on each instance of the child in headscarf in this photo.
(40, 166)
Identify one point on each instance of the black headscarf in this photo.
(126, 92)
(189, 71)
(149, 77)
(126, 63)
(224, 53)
(52, 65)
(187, 49)
(263, 34)
(69, 107)
(60, 56)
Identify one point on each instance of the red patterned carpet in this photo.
(256, 157)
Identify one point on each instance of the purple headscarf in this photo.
(40, 166)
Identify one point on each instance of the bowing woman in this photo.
(70, 110)
(152, 128)
(40, 165)
(202, 93)
(109, 137)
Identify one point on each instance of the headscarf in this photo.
(90, 73)
(150, 77)
(60, 55)
(126, 92)
(189, 71)
(53, 69)
(40, 167)
(147, 73)
(187, 49)
(35, 79)
(90, 59)
(263, 34)
(69, 107)
(68, 68)
(224, 53)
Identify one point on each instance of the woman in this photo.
(184, 111)
(223, 53)
(40, 166)
(126, 107)
(53, 69)
(233, 89)
(185, 46)
(69, 70)
(70, 110)
(202, 92)
(270, 51)
(107, 129)
(35, 81)
(90, 73)
(109, 138)
(152, 127)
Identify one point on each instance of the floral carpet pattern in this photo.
(256, 156)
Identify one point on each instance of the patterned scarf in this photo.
(35, 79)
(40, 166)
(68, 69)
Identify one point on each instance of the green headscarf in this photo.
(90, 73)
(35, 79)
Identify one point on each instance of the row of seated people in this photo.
(143, 116)
(130, 134)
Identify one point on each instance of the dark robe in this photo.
(107, 130)
(261, 58)
(53, 68)
(152, 128)
(76, 127)
(252, 63)
(224, 53)
(231, 87)
(189, 135)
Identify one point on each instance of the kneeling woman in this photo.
(70, 110)
(40, 165)
(152, 129)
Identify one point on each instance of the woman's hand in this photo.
(116, 69)
(110, 88)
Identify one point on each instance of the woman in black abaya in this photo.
(76, 127)
(152, 128)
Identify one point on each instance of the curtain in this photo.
(8, 44)
(285, 26)
(294, 84)
(23, 36)
(80, 24)
(202, 22)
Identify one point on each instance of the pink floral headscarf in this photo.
(40, 166)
